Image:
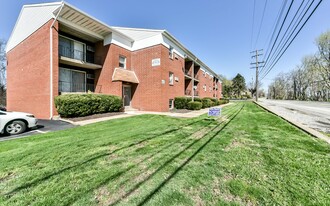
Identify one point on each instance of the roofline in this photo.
(189, 53)
(138, 29)
(59, 3)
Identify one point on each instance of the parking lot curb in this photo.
(308, 130)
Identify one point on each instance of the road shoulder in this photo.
(308, 130)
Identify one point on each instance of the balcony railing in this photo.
(71, 53)
(75, 87)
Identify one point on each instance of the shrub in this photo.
(194, 105)
(181, 102)
(207, 102)
(223, 101)
(197, 99)
(79, 105)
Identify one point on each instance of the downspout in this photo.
(51, 62)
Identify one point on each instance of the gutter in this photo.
(51, 62)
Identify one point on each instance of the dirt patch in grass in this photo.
(234, 144)
(94, 116)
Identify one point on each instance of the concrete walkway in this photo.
(292, 121)
(190, 114)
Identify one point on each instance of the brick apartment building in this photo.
(55, 48)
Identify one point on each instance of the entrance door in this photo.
(127, 95)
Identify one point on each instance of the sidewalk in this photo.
(190, 114)
(289, 119)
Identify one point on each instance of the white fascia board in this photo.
(30, 19)
(188, 53)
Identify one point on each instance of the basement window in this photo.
(122, 62)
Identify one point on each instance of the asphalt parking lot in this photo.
(44, 126)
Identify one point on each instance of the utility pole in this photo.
(257, 69)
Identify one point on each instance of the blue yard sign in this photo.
(214, 112)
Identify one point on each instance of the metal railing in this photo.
(71, 53)
(75, 87)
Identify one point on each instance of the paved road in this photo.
(315, 115)
(44, 126)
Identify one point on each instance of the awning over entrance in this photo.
(124, 75)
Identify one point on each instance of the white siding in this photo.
(114, 38)
(30, 19)
(166, 42)
(148, 42)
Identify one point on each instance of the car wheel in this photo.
(15, 127)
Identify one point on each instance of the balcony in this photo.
(187, 73)
(71, 87)
(71, 53)
(196, 77)
(74, 53)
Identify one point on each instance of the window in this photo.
(122, 62)
(71, 48)
(204, 87)
(72, 80)
(171, 78)
(170, 103)
(171, 54)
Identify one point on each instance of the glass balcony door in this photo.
(72, 80)
(72, 49)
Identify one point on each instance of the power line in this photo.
(254, 8)
(285, 33)
(262, 20)
(279, 17)
(278, 33)
(272, 66)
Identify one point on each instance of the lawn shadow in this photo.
(136, 186)
(118, 174)
(40, 180)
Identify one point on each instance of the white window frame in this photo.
(171, 78)
(171, 103)
(125, 60)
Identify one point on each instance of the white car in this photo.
(12, 123)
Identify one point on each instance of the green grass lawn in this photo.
(247, 157)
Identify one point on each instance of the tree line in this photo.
(310, 80)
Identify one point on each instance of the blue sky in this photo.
(217, 31)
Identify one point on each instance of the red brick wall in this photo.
(28, 73)
(150, 94)
(110, 58)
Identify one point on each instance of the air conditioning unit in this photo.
(176, 79)
(90, 76)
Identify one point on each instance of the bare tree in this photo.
(2, 73)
